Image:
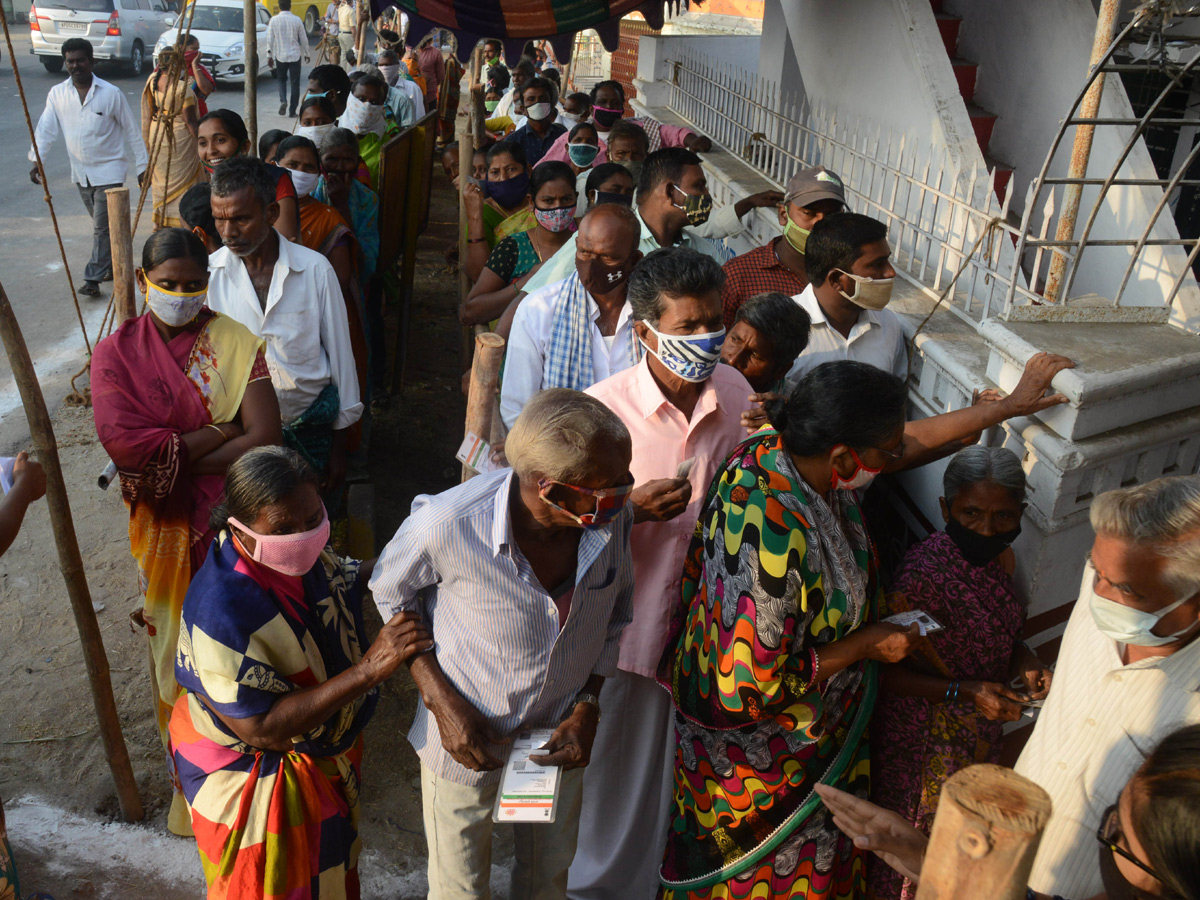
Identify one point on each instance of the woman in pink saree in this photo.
(178, 394)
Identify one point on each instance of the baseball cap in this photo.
(810, 185)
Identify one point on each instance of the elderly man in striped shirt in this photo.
(525, 579)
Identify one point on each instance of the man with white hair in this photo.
(524, 578)
(1128, 673)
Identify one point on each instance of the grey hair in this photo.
(339, 137)
(368, 69)
(779, 319)
(240, 172)
(562, 435)
(1164, 514)
(670, 272)
(260, 478)
(978, 464)
(538, 81)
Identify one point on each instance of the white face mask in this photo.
(569, 119)
(316, 133)
(304, 182)
(539, 112)
(362, 117)
(171, 308)
(869, 293)
(1127, 625)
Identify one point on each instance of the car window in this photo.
(95, 6)
(215, 18)
(143, 5)
(157, 6)
(264, 17)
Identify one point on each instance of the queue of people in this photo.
(673, 570)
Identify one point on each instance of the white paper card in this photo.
(476, 453)
(528, 792)
(928, 624)
(685, 468)
(6, 472)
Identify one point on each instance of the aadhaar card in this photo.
(528, 792)
(927, 623)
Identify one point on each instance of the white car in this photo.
(217, 25)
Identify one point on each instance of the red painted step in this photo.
(983, 122)
(965, 72)
(948, 26)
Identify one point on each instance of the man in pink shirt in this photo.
(608, 107)
(433, 68)
(683, 412)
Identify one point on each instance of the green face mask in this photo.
(490, 105)
(795, 235)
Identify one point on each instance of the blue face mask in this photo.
(693, 357)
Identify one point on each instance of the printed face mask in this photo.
(697, 207)
(633, 167)
(869, 293)
(289, 554)
(598, 278)
(1127, 625)
(609, 197)
(539, 112)
(609, 502)
(582, 154)
(860, 479)
(979, 549)
(561, 218)
(509, 193)
(606, 117)
(171, 308)
(692, 357)
(361, 117)
(316, 133)
(795, 235)
(304, 182)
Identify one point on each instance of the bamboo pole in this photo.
(250, 41)
(121, 239)
(70, 562)
(361, 18)
(987, 829)
(481, 397)
(465, 134)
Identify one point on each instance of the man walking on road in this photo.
(96, 123)
(287, 42)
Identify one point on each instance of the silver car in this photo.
(120, 30)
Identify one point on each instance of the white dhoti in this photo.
(626, 794)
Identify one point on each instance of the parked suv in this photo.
(119, 30)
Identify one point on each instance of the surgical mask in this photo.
(698, 207)
(598, 278)
(869, 293)
(1127, 625)
(633, 167)
(289, 554)
(304, 182)
(362, 117)
(693, 357)
(509, 193)
(171, 308)
(559, 219)
(539, 112)
(795, 235)
(490, 105)
(318, 134)
(609, 502)
(863, 475)
(391, 74)
(311, 94)
(582, 154)
(599, 197)
(605, 117)
(979, 549)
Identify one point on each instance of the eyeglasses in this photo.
(893, 455)
(1107, 834)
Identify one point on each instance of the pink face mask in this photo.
(289, 554)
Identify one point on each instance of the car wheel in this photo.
(310, 20)
(137, 58)
(53, 64)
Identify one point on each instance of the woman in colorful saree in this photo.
(169, 121)
(768, 661)
(178, 393)
(277, 690)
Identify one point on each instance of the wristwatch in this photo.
(591, 699)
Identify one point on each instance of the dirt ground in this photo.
(53, 777)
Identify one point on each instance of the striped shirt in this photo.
(495, 628)
(1099, 721)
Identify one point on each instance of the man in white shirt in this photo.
(578, 331)
(398, 79)
(287, 43)
(850, 283)
(1128, 672)
(96, 123)
(288, 295)
(521, 73)
(347, 30)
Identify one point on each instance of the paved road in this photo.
(31, 269)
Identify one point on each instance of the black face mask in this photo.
(606, 197)
(976, 548)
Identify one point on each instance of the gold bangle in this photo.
(224, 437)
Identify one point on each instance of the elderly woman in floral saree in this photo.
(769, 657)
(278, 689)
(178, 393)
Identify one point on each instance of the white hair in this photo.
(1163, 514)
(565, 436)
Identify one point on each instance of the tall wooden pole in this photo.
(70, 563)
(481, 396)
(120, 237)
(250, 40)
(987, 829)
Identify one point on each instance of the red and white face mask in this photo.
(863, 475)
